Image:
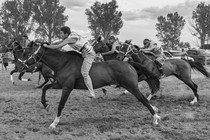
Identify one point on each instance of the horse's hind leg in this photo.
(20, 77)
(135, 91)
(192, 85)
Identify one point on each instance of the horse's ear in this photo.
(99, 38)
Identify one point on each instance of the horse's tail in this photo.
(199, 67)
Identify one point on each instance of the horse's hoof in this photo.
(47, 108)
(123, 94)
(38, 86)
(52, 127)
(193, 103)
(156, 119)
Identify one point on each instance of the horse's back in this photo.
(112, 68)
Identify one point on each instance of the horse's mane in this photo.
(73, 53)
(67, 54)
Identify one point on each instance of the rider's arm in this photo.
(63, 43)
(151, 47)
(109, 52)
(57, 42)
(112, 51)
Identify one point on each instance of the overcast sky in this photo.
(139, 16)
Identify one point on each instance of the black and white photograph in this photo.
(105, 70)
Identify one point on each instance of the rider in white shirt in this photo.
(151, 46)
(82, 45)
(112, 44)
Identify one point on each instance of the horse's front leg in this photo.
(54, 85)
(11, 77)
(65, 94)
(21, 75)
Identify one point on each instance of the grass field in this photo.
(116, 117)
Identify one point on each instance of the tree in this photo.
(104, 19)
(201, 22)
(15, 18)
(169, 30)
(48, 14)
(184, 45)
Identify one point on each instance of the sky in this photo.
(139, 17)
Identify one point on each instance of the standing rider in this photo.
(76, 42)
(150, 46)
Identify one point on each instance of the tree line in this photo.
(45, 17)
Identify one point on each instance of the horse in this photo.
(101, 47)
(67, 66)
(19, 52)
(177, 67)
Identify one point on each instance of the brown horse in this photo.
(67, 66)
(177, 67)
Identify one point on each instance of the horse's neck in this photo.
(57, 61)
(141, 58)
(17, 54)
(150, 56)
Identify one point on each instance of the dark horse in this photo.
(18, 53)
(67, 66)
(101, 47)
(177, 67)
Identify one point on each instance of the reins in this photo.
(129, 50)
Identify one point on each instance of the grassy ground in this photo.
(115, 117)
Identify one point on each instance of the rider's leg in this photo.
(86, 65)
(159, 66)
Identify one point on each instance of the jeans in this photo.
(86, 65)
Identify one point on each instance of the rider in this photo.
(78, 43)
(112, 44)
(26, 41)
(151, 46)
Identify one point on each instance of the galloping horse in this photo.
(178, 67)
(67, 66)
(101, 47)
(18, 52)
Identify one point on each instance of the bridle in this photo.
(129, 51)
(33, 56)
(14, 46)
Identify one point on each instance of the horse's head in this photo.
(14, 46)
(99, 46)
(125, 51)
(32, 57)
